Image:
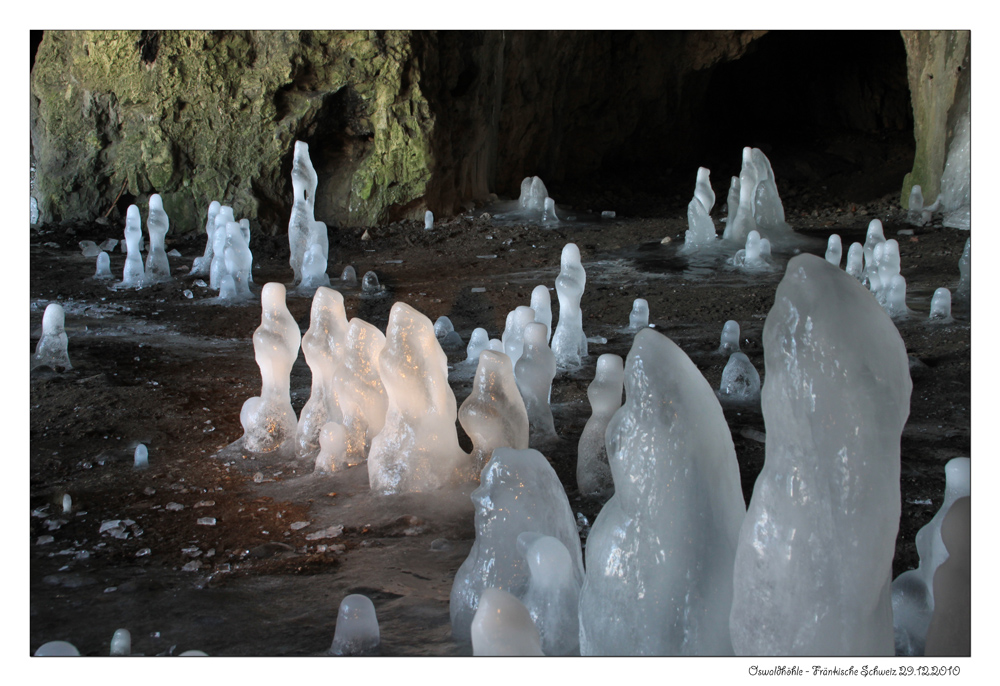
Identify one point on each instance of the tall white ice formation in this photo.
(202, 264)
(502, 627)
(874, 236)
(541, 303)
(493, 415)
(593, 473)
(941, 305)
(533, 194)
(304, 231)
(549, 211)
(895, 297)
(417, 449)
(513, 332)
(703, 190)
(701, 230)
(357, 384)
(519, 491)
(357, 627)
(134, 275)
(324, 346)
(638, 318)
(768, 210)
(670, 529)
(834, 250)
(569, 342)
(856, 261)
(950, 630)
(103, 267)
(157, 224)
(269, 422)
(740, 380)
(534, 371)
(814, 561)
(428, 220)
(913, 590)
(478, 342)
(740, 220)
(217, 268)
(332, 448)
(729, 342)
(237, 262)
(965, 268)
(51, 350)
(956, 180)
(553, 594)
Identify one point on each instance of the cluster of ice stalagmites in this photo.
(518, 492)
(269, 422)
(814, 561)
(671, 527)
(51, 350)
(494, 415)
(307, 238)
(593, 473)
(417, 449)
(913, 590)
(569, 343)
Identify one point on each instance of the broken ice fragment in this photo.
(67, 504)
(357, 627)
(141, 458)
(206, 521)
(108, 245)
(89, 248)
(330, 532)
(502, 626)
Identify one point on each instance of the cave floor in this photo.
(154, 367)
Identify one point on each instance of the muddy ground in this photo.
(152, 366)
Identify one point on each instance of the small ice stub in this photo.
(157, 224)
(549, 211)
(752, 255)
(639, 317)
(729, 342)
(417, 449)
(103, 266)
(913, 590)
(519, 491)
(533, 194)
(553, 595)
(494, 415)
(956, 179)
(569, 342)
(358, 387)
(428, 220)
(300, 224)
(834, 250)
(140, 460)
(513, 333)
(814, 560)
(950, 630)
(332, 448)
(203, 264)
(855, 261)
(593, 474)
(51, 350)
(357, 627)
(941, 306)
(269, 422)
(895, 297)
(57, 649)
(237, 262)
(965, 268)
(89, 248)
(670, 528)
(134, 275)
(703, 190)
(314, 265)
(445, 332)
(502, 627)
(67, 503)
(701, 230)
(348, 277)
(324, 346)
(740, 380)
(915, 214)
(478, 342)
(370, 284)
(541, 303)
(535, 369)
(121, 643)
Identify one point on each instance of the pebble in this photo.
(204, 503)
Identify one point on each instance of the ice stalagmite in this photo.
(134, 274)
(269, 422)
(956, 179)
(769, 213)
(502, 627)
(51, 348)
(913, 590)
(639, 317)
(834, 250)
(703, 189)
(103, 267)
(855, 261)
(157, 223)
(513, 332)
(941, 306)
(701, 230)
(729, 342)
(814, 562)
(417, 449)
(740, 380)
(217, 269)
(569, 343)
(660, 553)
(950, 630)
(541, 303)
(965, 269)
(332, 448)
(478, 342)
(593, 474)
(494, 415)
(303, 231)
(236, 264)
(203, 263)
(358, 387)
(534, 372)
(519, 491)
(324, 346)
(553, 594)
(357, 630)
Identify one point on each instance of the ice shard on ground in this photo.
(417, 449)
(569, 342)
(814, 562)
(494, 415)
(269, 422)
(593, 474)
(51, 350)
(519, 491)
(660, 553)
